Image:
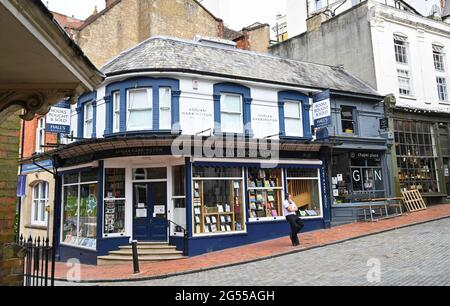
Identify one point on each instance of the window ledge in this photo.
(408, 97)
(36, 226)
(444, 103)
(143, 132)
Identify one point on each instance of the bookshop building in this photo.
(200, 155)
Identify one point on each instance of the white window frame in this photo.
(404, 74)
(40, 135)
(403, 46)
(88, 121)
(240, 129)
(39, 204)
(149, 108)
(298, 118)
(241, 179)
(318, 179)
(439, 58)
(116, 112)
(163, 125)
(442, 88)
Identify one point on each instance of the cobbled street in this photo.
(418, 255)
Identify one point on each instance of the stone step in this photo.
(149, 247)
(129, 252)
(115, 259)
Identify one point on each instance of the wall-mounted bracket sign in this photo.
(58, 119)
(322, 109)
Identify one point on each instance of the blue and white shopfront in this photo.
(199, 160)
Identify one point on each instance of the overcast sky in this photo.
(244, 12)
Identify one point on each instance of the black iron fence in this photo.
(38, 263)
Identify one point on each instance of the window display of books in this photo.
(197, 203)
(265, 189)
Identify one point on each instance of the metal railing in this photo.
(178, 229)
(38, 262)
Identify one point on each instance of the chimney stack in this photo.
(108, 2)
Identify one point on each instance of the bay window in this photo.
(231, 113)
(165, 108)
(140, 109)
(293, 118)
(79, 222)
(39, 203)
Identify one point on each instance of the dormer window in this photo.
(140, 110)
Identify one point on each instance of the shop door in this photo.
(447, 174)
(150, 211)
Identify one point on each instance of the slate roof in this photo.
(172, 54)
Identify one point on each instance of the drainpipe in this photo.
(19, 204)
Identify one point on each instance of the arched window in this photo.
(39, 203)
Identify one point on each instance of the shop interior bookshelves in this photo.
(264, 196)
(212, 219)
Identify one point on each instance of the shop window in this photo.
(142, 174)
(231, 113)
(293, 118)
(357, 177)
(114, 202)
(79, 224)
(165, 113)
(88, 120)
(348, 119)
(140, 109)
(303, 185)
(265, 188)
(416, 156)
(39, 203)
(40, 135)
(116, 112)
(179, 198)
(218, 203)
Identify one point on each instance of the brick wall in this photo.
(10, 265)
(124, 24)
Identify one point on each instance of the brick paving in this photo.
(268, 249)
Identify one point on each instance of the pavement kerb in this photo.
(293, 251)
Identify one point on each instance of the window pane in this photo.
(292, 110)
(165, 97)
(142, 119)
(139, 99)
(114, 216)
(210, 172)
(179, 180)
(149, 173)
(116, 119)
(89, 176)
(306, 196)
(293, 173)
(231, 103)
(115, 183)
(71, 178)
(88, 216)
(231, 123)
(42, 212)
(70, 218)
(165, 117)
(293, 127)
(265, 193)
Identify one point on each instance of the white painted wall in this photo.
(199, 100)
(422, 69)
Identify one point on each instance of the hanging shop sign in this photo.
(58, 119)
(322, 110)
